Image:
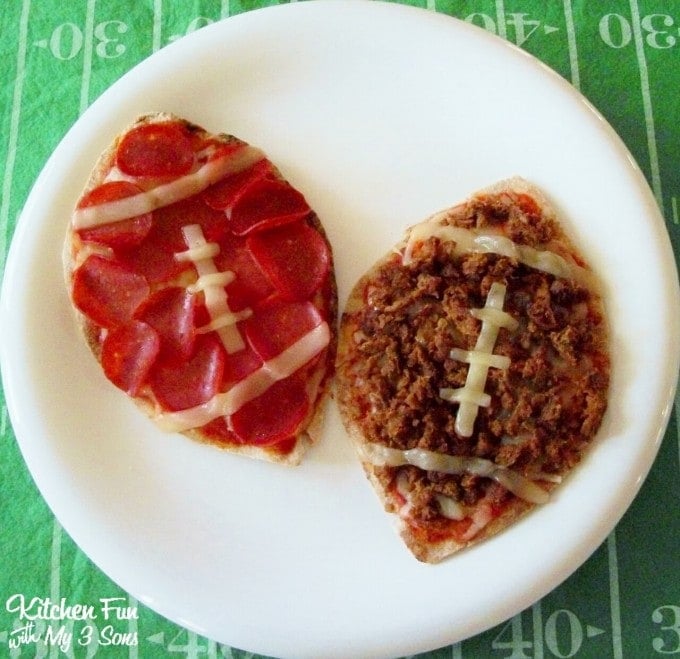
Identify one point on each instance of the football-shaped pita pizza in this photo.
(203, 283)
(473, 368)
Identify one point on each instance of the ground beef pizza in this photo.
(473, 368)
(203, 283)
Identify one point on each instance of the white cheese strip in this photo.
(254, 385)
(449, 507)
(221, 316)
(476, 357)
(168, 193)
(472, 395)
(468, 240)
(495, 316)
(464, 395)
(225, 320)
(199, 252)
(383, 456)
(214, 279)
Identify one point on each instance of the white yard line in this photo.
(614, 596)
(500, 20)
(13, 136)
(55, 578)
(571, 45)
(157, 24)
(537, 620)
(87, 57)
(3, 421)
(133, 628)
(646, 102)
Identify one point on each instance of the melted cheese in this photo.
(213, 279)
(168, 193)
(200, 252)
(383, 456)
(449, 507)
(476, 357)
(475, 241)
(482, 515)
(471, 397)
(222, 319)
(465, 395)
(495, 316)
(403, 490)
(227, 319)
(254, 385)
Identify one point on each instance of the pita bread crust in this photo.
(310, 428)
(426, 550)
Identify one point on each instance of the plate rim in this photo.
(22, 230)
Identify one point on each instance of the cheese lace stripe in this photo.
(199, 252)
(254, 385)
(213, 279)
(383, 456)
(469, 241)
(476, 357)
(168, 193)
(471, 397)
(467, 397)
(222, 319)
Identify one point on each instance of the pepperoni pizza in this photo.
(203, 283)
(473, 368)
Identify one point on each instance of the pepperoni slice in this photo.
(108, 292)
(179, 385)
(155, 256)
(224, 193)
(125, 233)
(109, 191)
(250, 284)
(273, 416)
(264, 204)
(295, 257)
(171, 312)
(275, 326)
(218, 430)
(192, 210)
(156, 150)
(239, 364)
(214, 148)
(154, 263)
(128, 353)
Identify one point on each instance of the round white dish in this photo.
(381, 114)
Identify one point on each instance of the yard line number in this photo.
(68, 39)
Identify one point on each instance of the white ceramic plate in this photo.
(381, 115)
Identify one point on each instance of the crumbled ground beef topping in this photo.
(545, 408)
